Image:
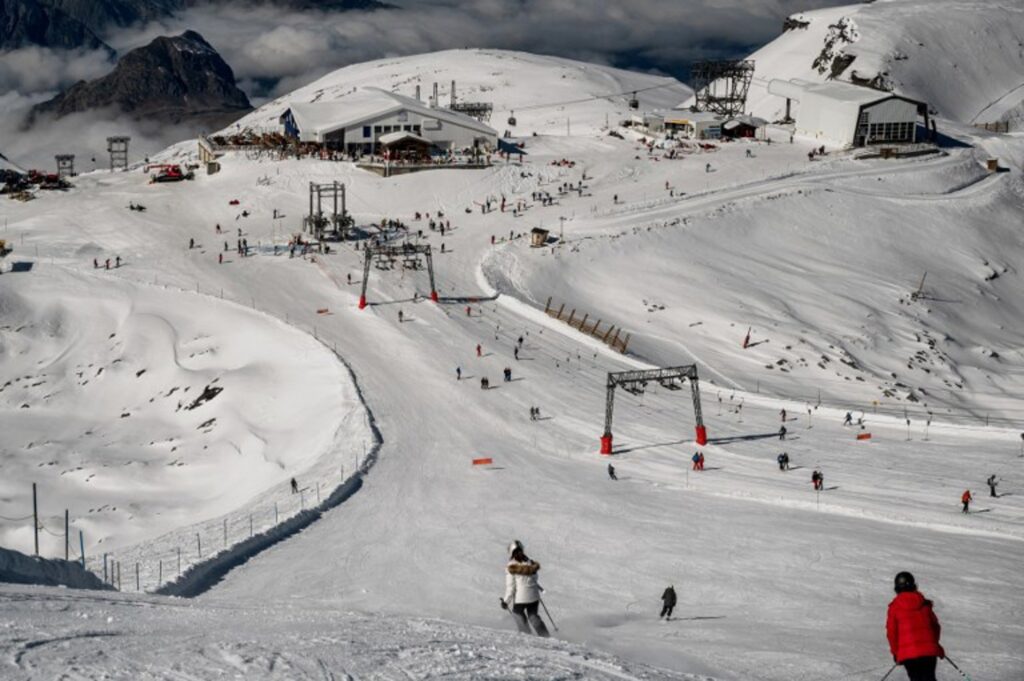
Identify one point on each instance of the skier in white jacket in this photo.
(522, 592)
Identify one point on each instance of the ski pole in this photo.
(555, 626)
(891, 669)
(958, 669)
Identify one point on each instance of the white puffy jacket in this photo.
(521, 582)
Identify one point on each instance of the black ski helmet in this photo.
(905, 582)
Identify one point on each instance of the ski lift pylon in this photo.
(634, 103)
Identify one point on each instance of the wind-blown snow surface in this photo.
(144, 410)
(910, 44)
(53, 634)
(775, 582)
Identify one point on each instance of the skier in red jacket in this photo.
(913, 631)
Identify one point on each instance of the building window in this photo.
(366, 131)
(376, 129)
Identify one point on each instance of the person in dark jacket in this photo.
(913, 631)
(668, 599)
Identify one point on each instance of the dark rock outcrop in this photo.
(35, 22)
(169, 80)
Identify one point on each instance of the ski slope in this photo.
(775, 582)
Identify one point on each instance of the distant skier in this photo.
(966, 500)
(485, 384)
(295, 486)
(992, 482)
(782, 414)
(707, 167)
(191, 243)
(848, 421)
(611, 472)
(522, 591)
(668, 600)
(696, 461)
(515, 353)
(913, 630)
(519, 342)
(818, 480)
(782, 432)
(458, 373)
(401, 316)
(783, 460)
(479, 350)
(508, 374)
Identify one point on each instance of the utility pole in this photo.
(35, 517)
(66, 530)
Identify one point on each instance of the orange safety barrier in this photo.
(483, 462)
(863, 436)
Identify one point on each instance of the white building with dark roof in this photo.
(845, 114)
(358, 121)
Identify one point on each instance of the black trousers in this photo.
(666, 611)
(921, 668)
(526, 616)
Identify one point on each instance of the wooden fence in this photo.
(611, 336)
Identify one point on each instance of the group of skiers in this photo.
(698, 461)
(106, 263)
(911, 626)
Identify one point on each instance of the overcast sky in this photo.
(274, 51)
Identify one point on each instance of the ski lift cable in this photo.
(596, 97)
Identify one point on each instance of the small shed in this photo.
(538, 237)
(742, 126)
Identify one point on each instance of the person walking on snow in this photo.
(782, 432)
(479, 350)
(966, 500)
(992, 482)
(817, 479)
(782, 414)
(458, 373)
(295, 486)
(696, 461)
(522, 591)
(913, 631)
(668, 600)
(515, 352)
(848, 421)
(611, 472)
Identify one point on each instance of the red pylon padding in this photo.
(362, 302)
(702, 435)
(606, 444)
(433, 296)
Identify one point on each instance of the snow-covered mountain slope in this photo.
(544, 92)
(775, 582)
(144, 410)
(964, 57)
(821, 272)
